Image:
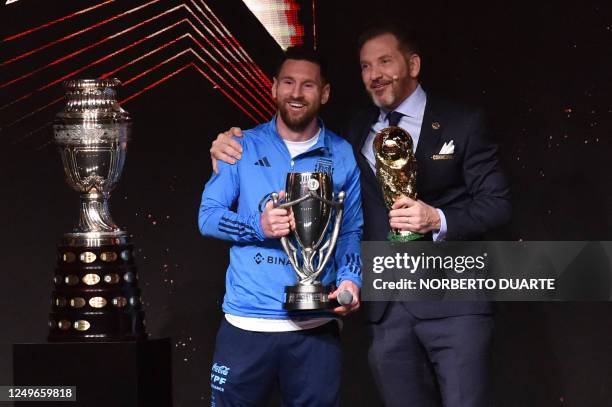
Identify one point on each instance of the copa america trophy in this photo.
(96, 296)
(396, 170)
(310, 195)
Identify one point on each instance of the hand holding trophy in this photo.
(310, 195)
(396, 169)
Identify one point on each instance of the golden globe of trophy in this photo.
(396, 170)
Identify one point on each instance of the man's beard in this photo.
(385, 101)
(298, 123)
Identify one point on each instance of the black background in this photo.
(541, 71)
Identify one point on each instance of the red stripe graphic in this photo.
(219, 56)
(76, 34)
(50, 23)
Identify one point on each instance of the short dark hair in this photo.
(407, 38)
(303, 53)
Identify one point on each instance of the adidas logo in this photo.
(263, 162)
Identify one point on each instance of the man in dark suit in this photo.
(462, 195)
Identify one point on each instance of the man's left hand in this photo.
(353, 306)
(414, 216)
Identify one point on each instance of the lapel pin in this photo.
(435, 125)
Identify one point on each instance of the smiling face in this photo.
(299, 91)
(389, 73)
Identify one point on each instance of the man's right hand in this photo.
(277, 222)
(225, 148)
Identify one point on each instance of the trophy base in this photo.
(95, 239)
(95, 296)
(301, 297)
(403, 236)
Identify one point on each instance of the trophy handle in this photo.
(288, 247)
(338, 204)
(289, 204)
(329, 246)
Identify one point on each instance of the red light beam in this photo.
(69, 36)
(50, 23)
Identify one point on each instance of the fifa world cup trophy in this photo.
(396, 169)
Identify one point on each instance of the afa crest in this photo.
(324, 165)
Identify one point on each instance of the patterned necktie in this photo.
(394, 118)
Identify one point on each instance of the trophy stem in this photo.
(96, 226)
(95, 215)
(308, 267)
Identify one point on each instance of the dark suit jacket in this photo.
(470, 188)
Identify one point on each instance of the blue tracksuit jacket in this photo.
(231, 206)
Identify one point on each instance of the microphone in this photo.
(345, 297)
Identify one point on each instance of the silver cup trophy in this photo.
(92, 133)
(95, 296)
(310, 195)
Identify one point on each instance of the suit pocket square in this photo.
(447, 148)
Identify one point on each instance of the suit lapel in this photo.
(431, 131)
(370, 117)
(369, 176)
